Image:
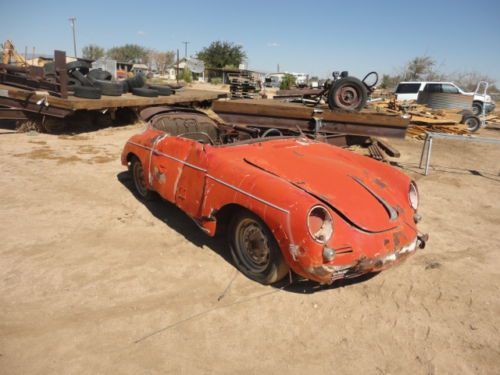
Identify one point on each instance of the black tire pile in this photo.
(92, 84)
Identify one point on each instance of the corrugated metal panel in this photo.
(444, 100)
(108, 65)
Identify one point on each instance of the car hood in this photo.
(340, 179)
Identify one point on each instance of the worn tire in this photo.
(472, 122)
(139, 91)
(80, 77)
(136, 172)
(125, 86)
(347, 93)
(136, 81)
(263, 263)
(87, 92)
(162, 90)
(49, 68)
(109, 88)
(477, 108)
(72, 83)
(82, 66)
(99, 74)
(51, 77)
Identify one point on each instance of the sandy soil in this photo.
(94, 281)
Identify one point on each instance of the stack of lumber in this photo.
(243, 87)
(423, 118)
(493, 120)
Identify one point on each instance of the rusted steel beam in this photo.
(62, 73)
(12, 114)
(308, 125)
(289, 115)
(28, 106)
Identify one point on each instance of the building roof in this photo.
(140, 66)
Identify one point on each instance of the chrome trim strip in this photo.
(213, 178)
(156, 152)
(248, 194)
(393, 214)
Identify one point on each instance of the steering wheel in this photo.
(269, 131)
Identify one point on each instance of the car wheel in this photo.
(347, 93)
(477, 108)
(255, 250)
(473, 123)
(137, 173)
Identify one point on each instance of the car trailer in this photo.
(32, 93)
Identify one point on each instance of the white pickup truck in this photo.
(410, 90)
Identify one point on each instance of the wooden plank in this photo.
(389, 150)
(126, 100)
(270, 108)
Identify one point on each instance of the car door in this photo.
(167, 157)
(190, 190)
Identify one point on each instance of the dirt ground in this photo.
(94, 281)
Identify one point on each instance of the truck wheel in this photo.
(136, 81)
(79, 65)
(473, 123)
(80, 77)
(149, 93)
(87, 92)
(100, 74)
(109, 88)
(162, 90)
(254, 249)
(477, 108)
(347, 93)
(136, 171)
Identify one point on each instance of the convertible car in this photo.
(285, 202)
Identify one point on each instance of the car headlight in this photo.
(320, 224)
(413, 196)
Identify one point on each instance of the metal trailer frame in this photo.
(427, 147)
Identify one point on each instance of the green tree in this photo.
(92, 52)
(186, 75)
(131, 53)
(287, 81)
(220, 54)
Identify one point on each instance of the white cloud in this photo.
(273, 44)
(141, 33)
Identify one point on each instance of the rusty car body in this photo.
(285, 202)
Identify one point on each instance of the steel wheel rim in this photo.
(252, 245)
(139, 181)
(348, 96)
(471, 123)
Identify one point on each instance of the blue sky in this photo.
(314, 37)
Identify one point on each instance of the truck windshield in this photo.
(408, 88)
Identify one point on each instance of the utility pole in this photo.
(186, 49)
(73, 20)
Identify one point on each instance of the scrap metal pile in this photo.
(243, 87)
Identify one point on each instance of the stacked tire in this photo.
(89, 83)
